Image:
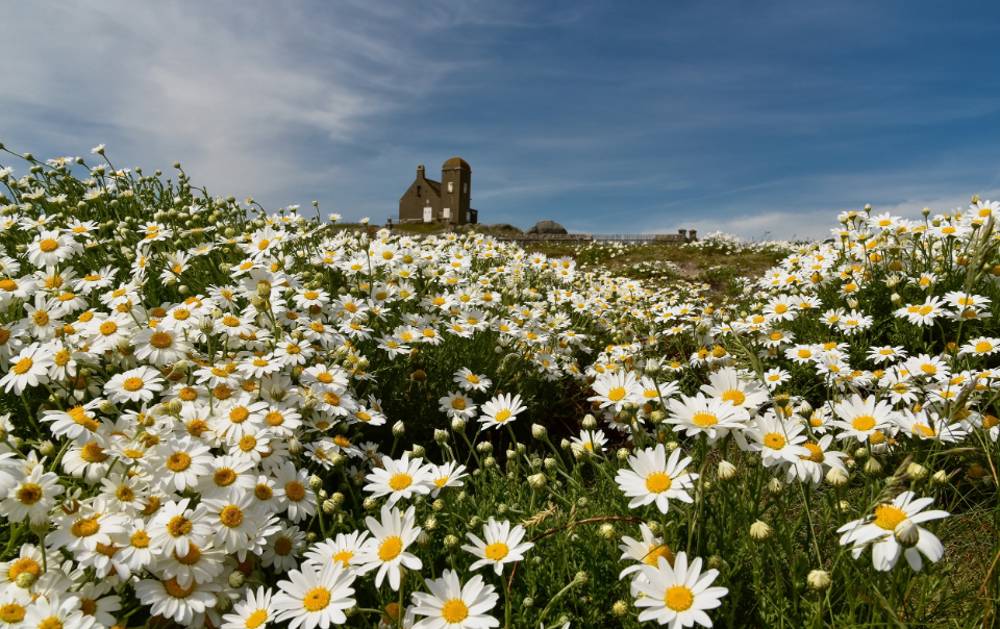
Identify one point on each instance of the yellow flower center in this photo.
(224, 477)
(178, 461)
(678, 598)
(256, 619)
(616, 394)
(178, 526)
(863, 422)
(295, 491)
(52, 622)
(29, 493)
(704, 420)
(161, 340)
(658, 482)
(888, 516)
(239, 414)
(815, 455)
(85, 527)
(774, 440)
(231, 516)
(734, 397)
(22, 366)
(655, 552)
(454, 610)
(139, 539)
(496, 551)
(132, 384)
(12, 613)
(23, 565)
(502, 415)
(400, 481)
(983, 346)
(175, 590)
(344, 557)
(48, 245)
(390, 548)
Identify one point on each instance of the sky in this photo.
(760, 119)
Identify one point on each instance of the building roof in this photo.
(456, 162)
(435, 185)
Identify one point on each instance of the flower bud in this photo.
(940, 477)
(619, 608)
(818, 580)
(489, 462)
(607, 531)
(916, 471)
(872, 466)
(657, 416)
(458, 424)
(726, 470)
(589, 423)
(46, 448)
(236, 579)
(837, 477)
(528, 602)
(315, 482)
(538, 431)
(25, 580)
(775, 486)
(440, 436)
(418, 451)
(907, 533)
(760, 530)
(537, 481)
(398, 429)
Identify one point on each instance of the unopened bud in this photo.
(760, 530)
(726, 470)
(818, 580)
(236, 579)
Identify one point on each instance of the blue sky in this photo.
(750, 117)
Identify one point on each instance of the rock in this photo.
(547, 227)
(505, 227)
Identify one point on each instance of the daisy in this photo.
(32, 497)
(616, 390)
(457, 404)
(861, 418)
(315, 597)
(501, 544)
(727, 386)
(30, 368)
(677, 595)
(185, 605)
(399, 479)
(712, 416)
(470, 381)
(892, 531)
(646, 551)
(344, 549)
(386, 549)
(175, 527)
(500, 410)
(448, 474)
(186, 462)
(981, 346)
(254, 612)
(451, 605)
(813, 466)
(135, 385)
(589, 442)
(654, 478)
(778, 441)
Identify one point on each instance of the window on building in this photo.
(451, 186)
(465, 188)
(418, 191)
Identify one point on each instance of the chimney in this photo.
(420, 171)
(683, 233)
(693, 235)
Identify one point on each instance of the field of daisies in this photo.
(216, 416)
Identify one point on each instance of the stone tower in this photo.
(456, 190)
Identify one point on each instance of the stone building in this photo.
(445, 201)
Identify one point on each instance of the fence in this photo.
(657, 238)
